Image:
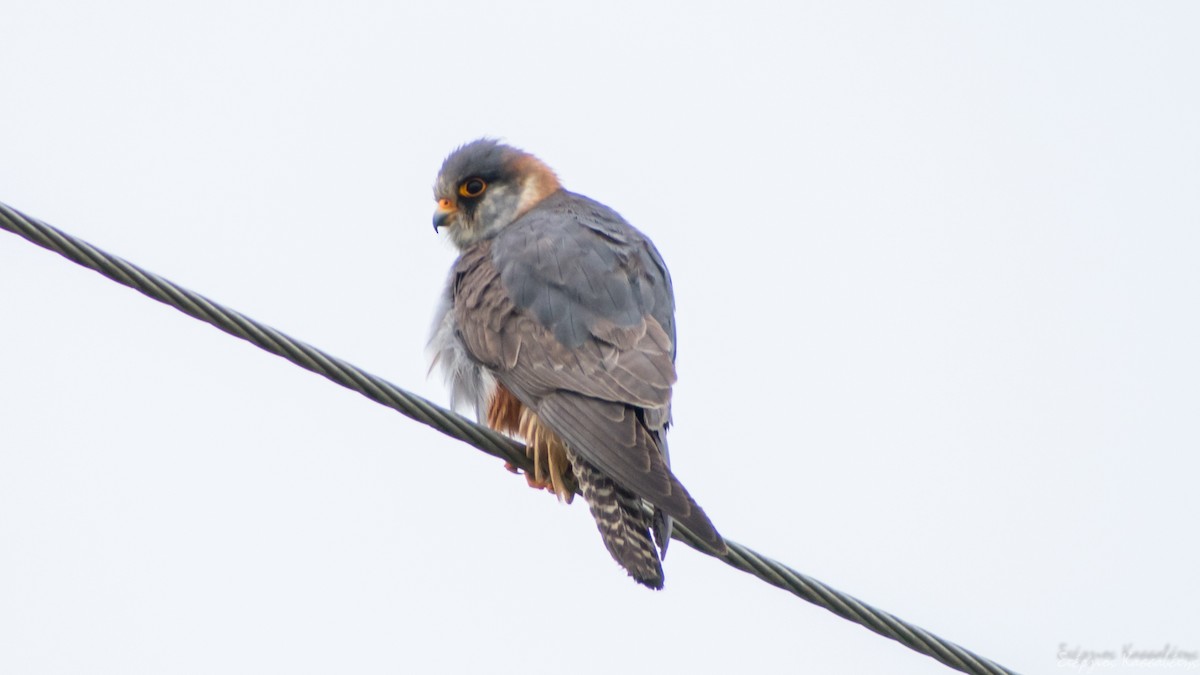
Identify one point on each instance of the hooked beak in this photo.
(444, 209)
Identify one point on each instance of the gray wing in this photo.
(572, 308)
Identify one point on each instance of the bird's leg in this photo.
(530, 478)
(508, 415)
(539, 478)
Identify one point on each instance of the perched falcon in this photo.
(558, 324)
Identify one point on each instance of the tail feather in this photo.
(661, 527)
(623, 526)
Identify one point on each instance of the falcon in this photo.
(557, 324)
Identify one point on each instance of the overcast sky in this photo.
(937, 277)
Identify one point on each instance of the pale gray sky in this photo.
(937, 283)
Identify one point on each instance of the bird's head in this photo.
(485, 185)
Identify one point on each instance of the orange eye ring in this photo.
(472, 187)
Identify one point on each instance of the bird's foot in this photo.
(530, 478)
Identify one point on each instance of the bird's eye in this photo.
(472, 187)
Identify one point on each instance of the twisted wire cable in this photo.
(480, 437)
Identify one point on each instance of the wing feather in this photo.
(611, 437)
(572, 309)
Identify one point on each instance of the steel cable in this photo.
(480, 437)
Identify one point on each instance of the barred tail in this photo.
(623, 526)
